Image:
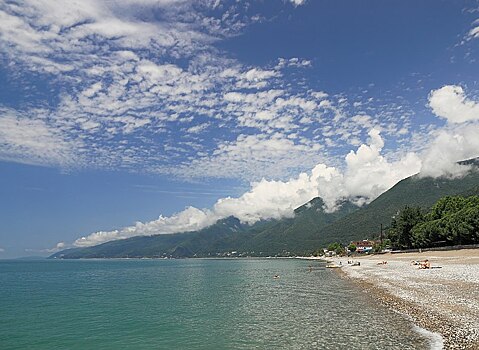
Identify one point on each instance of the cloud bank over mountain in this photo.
(367, 175)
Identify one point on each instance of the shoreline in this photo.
(444, 300)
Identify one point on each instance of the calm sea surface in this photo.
(191, 304)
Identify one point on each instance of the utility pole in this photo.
(381, 234)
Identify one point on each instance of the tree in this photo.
(352, 247)
(427, 233)
(446, 206)
(451, 221)
(378, 247)
(336, 247)
(400, 231)
(318, 252)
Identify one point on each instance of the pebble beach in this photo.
(443, 299)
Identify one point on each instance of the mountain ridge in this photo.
(225, 235)
(411, 191)
(310, 228)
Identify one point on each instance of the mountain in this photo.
(310, 228)
(472, 161)
(412, 191)
(296, 234)
(223, 232)
(300, 234)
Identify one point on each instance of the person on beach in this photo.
(426, 264)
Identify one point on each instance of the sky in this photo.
(124, 118)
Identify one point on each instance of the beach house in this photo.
(364, 246)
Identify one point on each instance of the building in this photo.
(364, 246)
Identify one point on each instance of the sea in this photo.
(193, 304)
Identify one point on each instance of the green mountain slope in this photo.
(300, 234)
(412, 191)
(297, 234)
(221, 234)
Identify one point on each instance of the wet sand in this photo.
(443, 300)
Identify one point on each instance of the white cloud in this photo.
(474, 32)
(293, 62)
(450, 103)
(255, 78)
(93, 89)
(2, 250)
(268, 199)
(298, 2)
(59, 246)
(447, 147)
(32, 141)
(363, 120)
(253, 157)
(457, 140)
(197, 128)
(256, 74)
(190, 219)
(368, 173)
(113, 99)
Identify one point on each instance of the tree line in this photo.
(453, 220)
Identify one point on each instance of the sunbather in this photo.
(426, 264)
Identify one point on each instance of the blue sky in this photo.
(121, 118)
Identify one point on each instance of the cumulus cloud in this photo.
(457, 140)
(190, 219)
(450, 103)
(447, 147)
(368, 173)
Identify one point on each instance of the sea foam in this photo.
(435, 339)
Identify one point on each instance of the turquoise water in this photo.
(191, 304)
